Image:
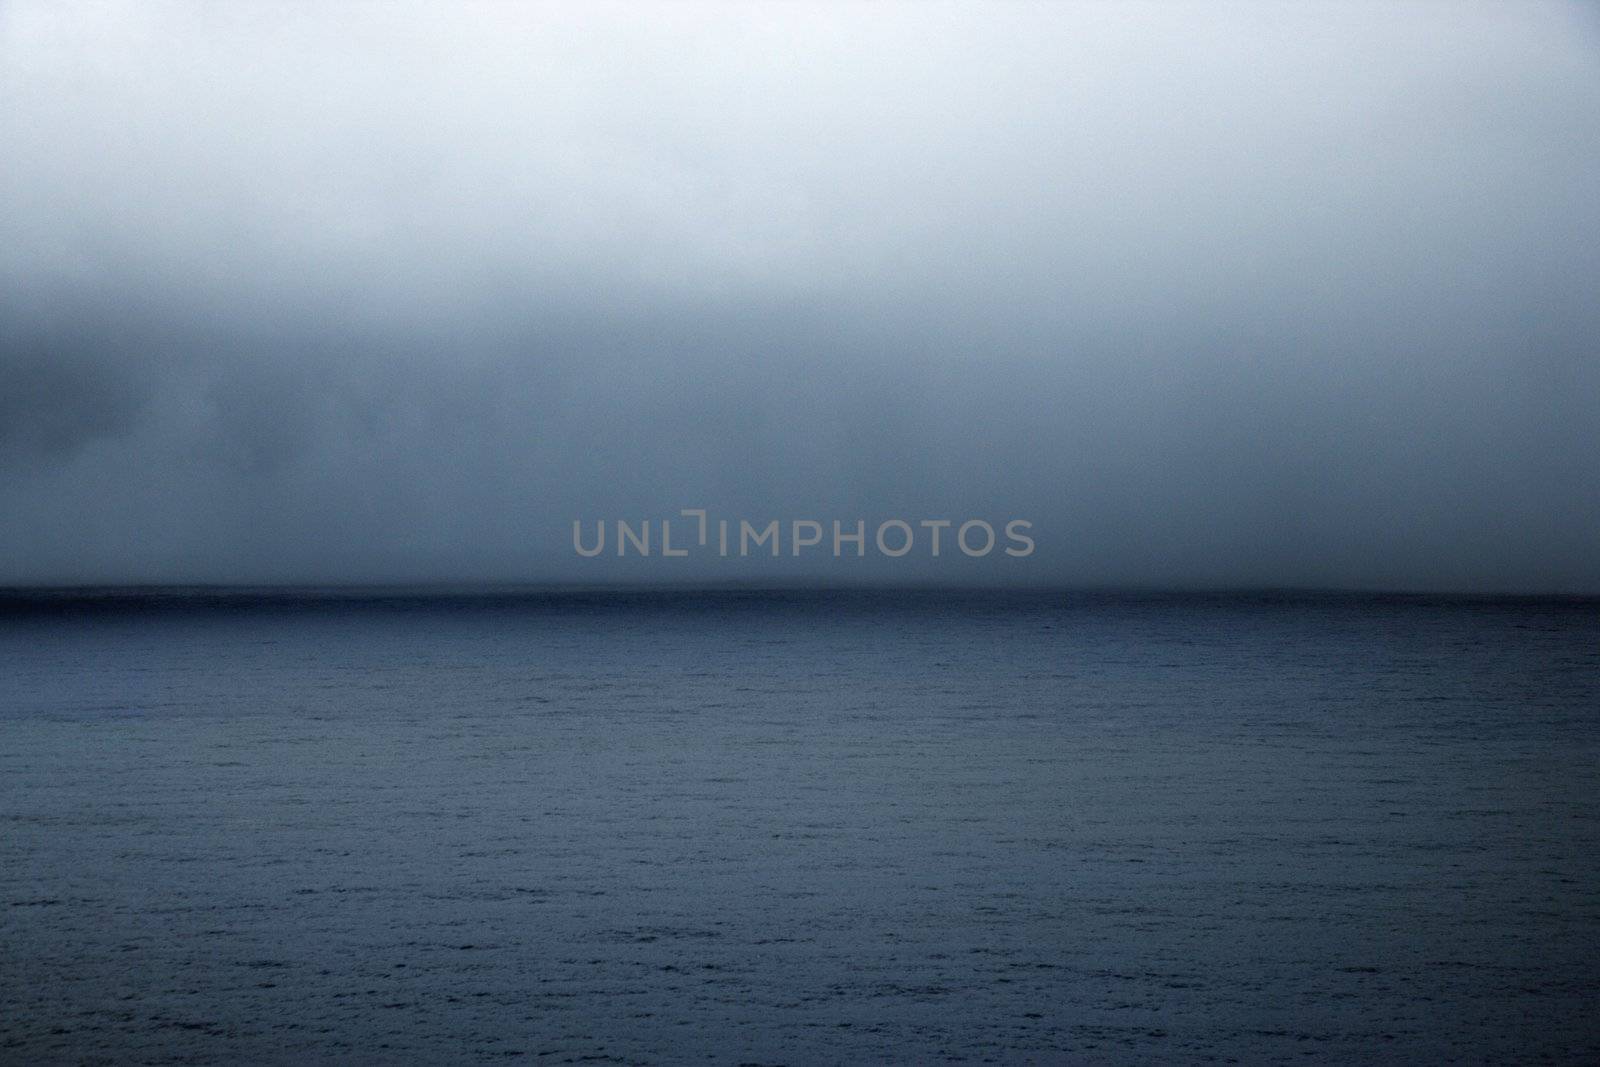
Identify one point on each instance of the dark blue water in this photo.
(800, 828)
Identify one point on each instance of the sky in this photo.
(1211, 295)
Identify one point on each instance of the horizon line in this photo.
(435, 589)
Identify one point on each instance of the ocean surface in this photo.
(801, 827)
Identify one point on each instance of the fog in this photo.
(1221, 295)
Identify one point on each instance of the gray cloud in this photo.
(56, 397)
(1236, 294)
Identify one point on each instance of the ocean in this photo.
(802, 826)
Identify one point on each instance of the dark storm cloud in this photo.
(55, 398)
(1214, 295)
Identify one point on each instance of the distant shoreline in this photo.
(27, 598)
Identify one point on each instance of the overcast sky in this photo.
(1277, 295)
